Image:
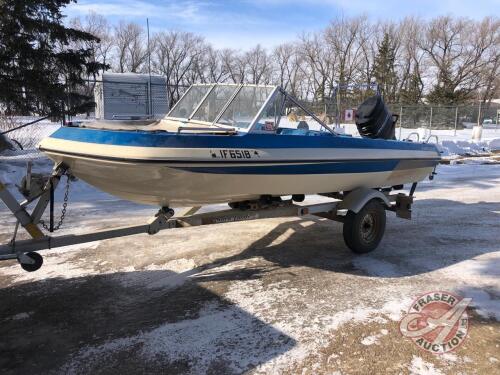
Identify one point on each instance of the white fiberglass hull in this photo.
(161, 185)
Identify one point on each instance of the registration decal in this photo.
(234, 154)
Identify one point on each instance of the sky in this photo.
(241, 24)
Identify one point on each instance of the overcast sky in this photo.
(244, 23)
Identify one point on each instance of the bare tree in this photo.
(444, 59)
(455, 48)
(176, 55)
(318, 64)
(287, 63)
(258, 65)
(131, 47)
(211, 67)
(489, 71)
(234, 64)
(410, 61)
(98, 26)
(344, 37)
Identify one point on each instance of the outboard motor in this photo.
(374, 120)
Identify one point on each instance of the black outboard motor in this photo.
(374, 120)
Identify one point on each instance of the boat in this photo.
(225, 143)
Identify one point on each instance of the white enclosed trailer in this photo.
(131, 96)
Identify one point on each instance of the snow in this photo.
(56, 267)
(449, 357)
(457, 147)
(484, 303)
(23, 315)
(177, 273)
(377, 267)
(201, 340)
(494, 144)
(256, 313)
(370, 340)
(449, 144)
(420, 367)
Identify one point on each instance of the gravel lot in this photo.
(273, 296)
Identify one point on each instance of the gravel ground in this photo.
(273, 296)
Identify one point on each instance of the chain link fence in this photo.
(443, 117)
(128, 96)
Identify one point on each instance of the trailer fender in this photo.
(357, 199)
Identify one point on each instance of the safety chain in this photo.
(63, 211)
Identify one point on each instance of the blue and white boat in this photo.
(231, 143)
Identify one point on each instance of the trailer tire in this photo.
(364, 230)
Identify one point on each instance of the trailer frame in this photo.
(25, 250)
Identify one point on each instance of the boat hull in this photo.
(181, 176)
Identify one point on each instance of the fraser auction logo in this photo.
(437, 322)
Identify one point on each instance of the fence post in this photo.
(456, 119)
(479, 123)
(430, 122)
(498, 116)
(150, 103)
(400, 121)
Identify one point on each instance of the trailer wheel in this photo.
(364, 230)
(37, 262)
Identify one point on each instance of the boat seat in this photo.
(289, 131)
(165, 125)
(119, 124)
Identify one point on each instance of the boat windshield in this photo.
(213, 103)
(245, 106)
(223, 104)
(188, 103)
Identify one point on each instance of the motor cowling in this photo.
(374, 120)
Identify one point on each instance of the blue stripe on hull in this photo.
(240, 141)
(297, 169)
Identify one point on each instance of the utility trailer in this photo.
(362, 212)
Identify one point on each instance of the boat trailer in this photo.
(362, 212)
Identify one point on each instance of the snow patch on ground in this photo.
(53, 267)
(20, 316)
(449, 357)
(250, 326)
(308, 330)
(199, 341)
(377, 267)
(373, 339)
(370, 340)
(484, 303)
(420, 367)
(457, 147)
(175, 273)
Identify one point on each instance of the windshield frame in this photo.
(262, 108)
(184, 119)
(238, 87)
(223, 108)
